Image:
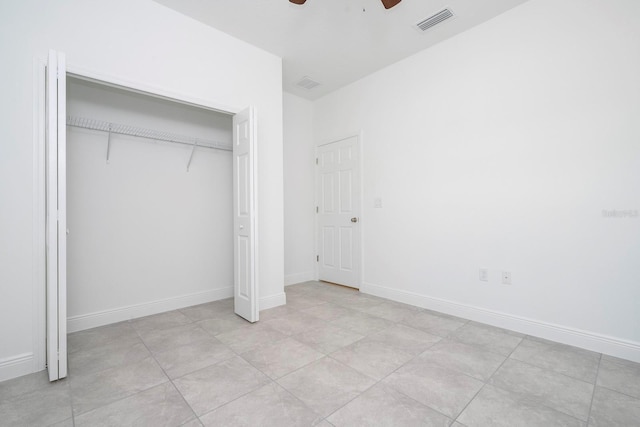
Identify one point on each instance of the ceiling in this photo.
(336, 42)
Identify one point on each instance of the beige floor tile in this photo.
(410, 340)
(214, 386)
(362, 323)
(91, 338)
(269, 405)
(246, 339)
(500, 408)
(328, 311)
(110, 355)
(159, 406)
(466, 359)
(158, 340)
(326, 385)
(282, 357)
(564, 359)
(488, 337)
(611, 408)
(167, 320)
(440, 325)
(182, 360)
(383, 406)
(95, 390)
(294, 323)
(39, 407)
(327, 338)
(222, 325)
(620, 375)
(545, 387)
(443, 390)
(372, 358)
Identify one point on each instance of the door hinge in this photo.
(316, 160)
(317, 258)
(317, 209)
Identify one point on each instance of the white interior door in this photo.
(56, 193)
(338, 181)
(244, 216)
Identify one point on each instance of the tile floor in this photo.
(331, 356)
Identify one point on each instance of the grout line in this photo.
(593, 395)
(518, 395)
(486, 382)
(168, 377)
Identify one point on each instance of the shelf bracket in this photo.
(109, 144)
(193, 149)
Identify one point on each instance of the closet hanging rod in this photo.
(93, 124)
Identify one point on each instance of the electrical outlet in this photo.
(377, 202)
(484, 275)
(506, 277)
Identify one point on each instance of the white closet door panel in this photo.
(56, 217)
(244, 213)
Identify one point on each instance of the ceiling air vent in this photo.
(307, 83)
(443, 15)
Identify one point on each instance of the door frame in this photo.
(40, 177)
(360, 136)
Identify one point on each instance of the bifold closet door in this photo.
(244, 216)
(56, 207)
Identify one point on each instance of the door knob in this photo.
(354, 219)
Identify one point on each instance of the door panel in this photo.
(346, 192)
(339, 202)
(56, 207)
(346, 248)
(244, 216)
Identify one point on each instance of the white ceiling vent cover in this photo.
(307, 83)
(431, 21)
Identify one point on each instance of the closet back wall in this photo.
(145, 234)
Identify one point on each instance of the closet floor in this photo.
(331, 356)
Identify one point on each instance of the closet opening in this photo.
(147, 202)
(149, 205)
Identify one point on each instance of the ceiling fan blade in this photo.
(298, 1)
(388, 4)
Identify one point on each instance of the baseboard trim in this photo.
(273, 301)
(16, 366)
(292, 279)
(617, 347)
(106, 317)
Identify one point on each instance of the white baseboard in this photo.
(106, 317)
(16, 366)
(273, 301)
(612, 346)
(292, 279)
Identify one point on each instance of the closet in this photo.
(149, 204)
(147, 201)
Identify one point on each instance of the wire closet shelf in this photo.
(120, 129)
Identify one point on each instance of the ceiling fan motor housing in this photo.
(388, 4)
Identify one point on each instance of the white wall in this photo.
(142, 42)
(146, 235)
(500, 148)
(299, 199)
